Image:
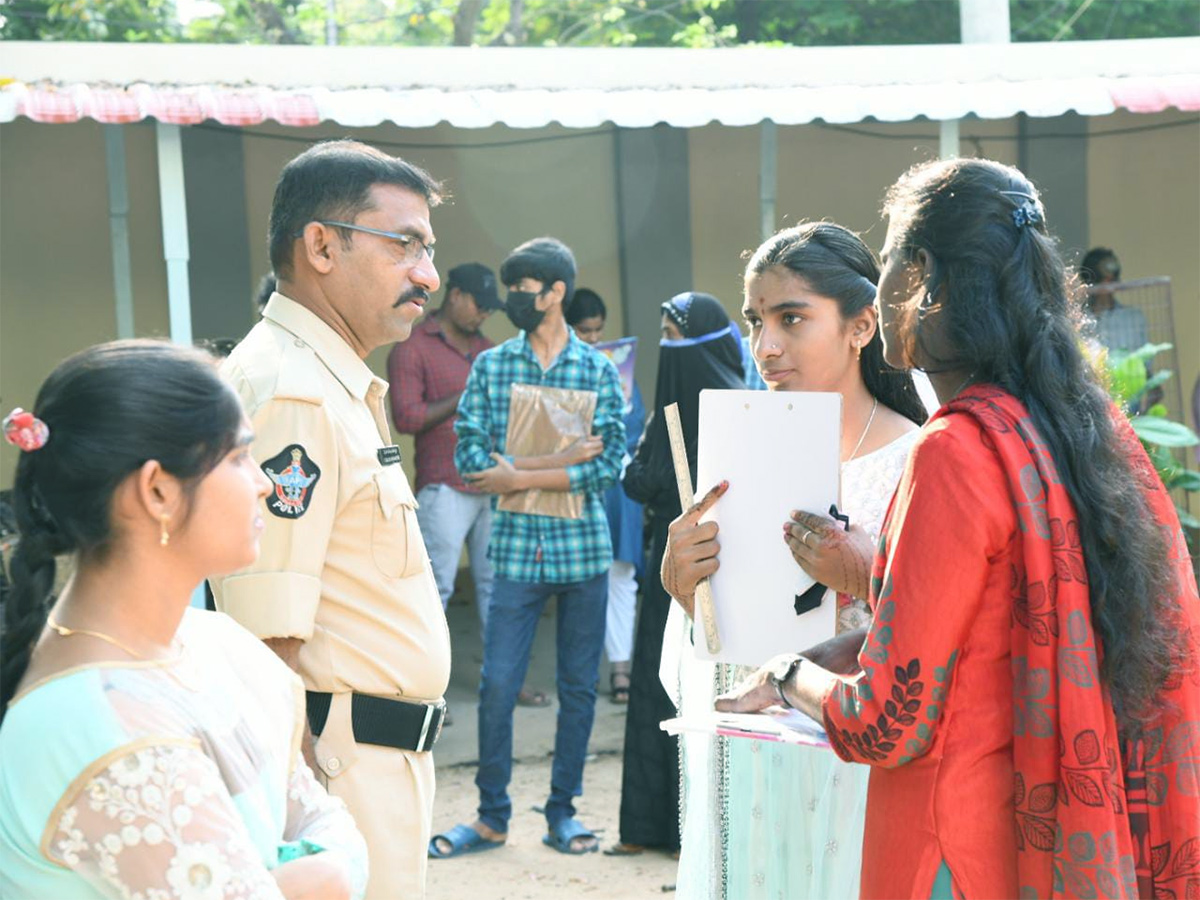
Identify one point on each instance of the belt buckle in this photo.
(429, 711)
(441, 705)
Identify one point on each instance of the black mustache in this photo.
(411, 294)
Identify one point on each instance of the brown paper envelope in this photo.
(541, 421)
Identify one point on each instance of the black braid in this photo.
(32, 570)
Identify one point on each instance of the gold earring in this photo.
(163, 537)
(857, 351)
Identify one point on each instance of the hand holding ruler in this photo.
(683, 481)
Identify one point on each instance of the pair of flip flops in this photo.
(464, 840)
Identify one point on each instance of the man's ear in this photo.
(556, 292)
(318, 246)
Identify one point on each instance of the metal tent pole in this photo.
(175, 230)
(118, 225)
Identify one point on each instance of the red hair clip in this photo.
(25, 430)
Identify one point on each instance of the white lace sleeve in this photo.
(314, 815)
(157, 823)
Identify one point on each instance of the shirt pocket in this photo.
(396, 544)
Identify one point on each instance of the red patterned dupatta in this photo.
(1097, 816)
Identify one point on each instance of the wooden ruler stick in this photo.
(683, 481)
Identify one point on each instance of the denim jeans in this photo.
(448, 517)
(516, 608)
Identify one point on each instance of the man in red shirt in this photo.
(428, 373)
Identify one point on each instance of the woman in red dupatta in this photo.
(1028, 692)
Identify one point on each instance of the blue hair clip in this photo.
(1028, 211)
(1025, 214)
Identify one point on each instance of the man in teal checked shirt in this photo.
(537, 557)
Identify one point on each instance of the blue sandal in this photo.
(562, 834)
(463, 839)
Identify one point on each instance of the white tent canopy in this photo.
(584, 87)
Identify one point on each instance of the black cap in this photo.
(477, 280)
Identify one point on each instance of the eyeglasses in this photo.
(413, 247)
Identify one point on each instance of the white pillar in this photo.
(948, 139)
(118, 226)
(175, 230)
(980, 22)
(768, 158)
(331, 26)
(984, 21)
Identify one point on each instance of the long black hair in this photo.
(835, 263)
(1009, 316)
(109, 409)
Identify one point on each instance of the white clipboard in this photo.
(779, 451)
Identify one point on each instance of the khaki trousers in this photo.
(390, 794)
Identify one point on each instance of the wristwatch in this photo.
(780, 674)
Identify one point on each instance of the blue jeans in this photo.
(516, 608)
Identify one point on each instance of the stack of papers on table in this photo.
(784, 726)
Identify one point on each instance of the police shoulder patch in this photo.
(295, 477)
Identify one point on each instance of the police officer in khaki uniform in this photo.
(343, 588)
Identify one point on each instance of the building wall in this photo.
(824, 172)
(55, 256)
(56, 293)
(56, 275)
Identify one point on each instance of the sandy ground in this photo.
(526, 869)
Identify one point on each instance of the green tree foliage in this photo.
(619, 23)
(89, 20)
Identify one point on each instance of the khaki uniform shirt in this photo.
(342, 562)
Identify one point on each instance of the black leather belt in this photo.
(383, 721)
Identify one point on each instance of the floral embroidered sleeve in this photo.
(928, 582)
(157, 823)
(316, 816)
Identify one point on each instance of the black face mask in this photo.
(522, 311)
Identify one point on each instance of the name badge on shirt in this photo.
(389, 456)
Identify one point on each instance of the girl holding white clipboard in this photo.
(809, 306)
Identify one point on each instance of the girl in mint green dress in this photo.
(149, 750)
(762, 820)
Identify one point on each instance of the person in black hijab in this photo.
(700, 350)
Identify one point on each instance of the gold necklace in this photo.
(871, 419)
(64, 631)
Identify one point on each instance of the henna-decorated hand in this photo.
(838, 559)
(691, 552)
